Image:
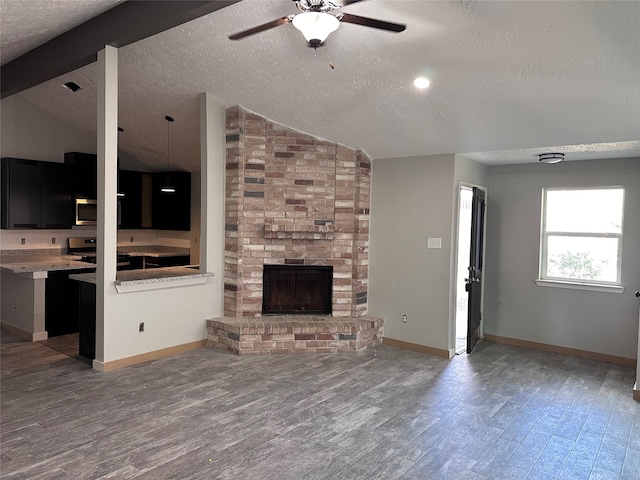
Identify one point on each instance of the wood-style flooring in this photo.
(502, 412)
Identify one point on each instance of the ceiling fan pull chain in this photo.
(325, 59)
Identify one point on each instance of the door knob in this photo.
(637, 294)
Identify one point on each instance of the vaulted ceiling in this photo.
(509, 80)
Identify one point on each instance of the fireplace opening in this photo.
(297, 289)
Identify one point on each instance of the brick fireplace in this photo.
(292, 199)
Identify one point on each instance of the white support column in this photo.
(107, 105)
(212, 135)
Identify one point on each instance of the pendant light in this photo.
(167, 186)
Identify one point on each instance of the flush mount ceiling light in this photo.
(421, 83)
(167, 186)
(72, 86)
(315, 26)
(551, 157)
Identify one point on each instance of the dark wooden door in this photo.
(474, 281)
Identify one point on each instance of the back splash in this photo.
(53, 242)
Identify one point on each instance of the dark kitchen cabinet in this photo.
(172, 211)
(87, 320)
(57, 201)
(35, 194)
(130, 186)
(62, 299)
(21, 197)
(84, 174)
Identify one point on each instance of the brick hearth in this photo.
(292, 334)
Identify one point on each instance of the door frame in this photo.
(454, 266)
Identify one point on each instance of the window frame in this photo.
(573, 283)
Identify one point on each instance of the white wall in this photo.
(30, 132)
(172, 316)
(515, 306)
(411, 200)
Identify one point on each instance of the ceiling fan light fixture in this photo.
(315, 26)
(551, 157)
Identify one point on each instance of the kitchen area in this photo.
(49, 244)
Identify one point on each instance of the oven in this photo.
(85, 248)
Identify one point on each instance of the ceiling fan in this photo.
(316, 21)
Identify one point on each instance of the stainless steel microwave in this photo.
(86, 211)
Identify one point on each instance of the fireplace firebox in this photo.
(297, 289)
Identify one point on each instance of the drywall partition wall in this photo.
(30, 132)
(176, 316)
(411, 200)
(515, 307)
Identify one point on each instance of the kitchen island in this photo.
(28, 274)
(34, 293)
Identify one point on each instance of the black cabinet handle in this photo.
(25, 225)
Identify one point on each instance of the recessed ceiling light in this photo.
(72, 86)
(421, 82)
(551, 157)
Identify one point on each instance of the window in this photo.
(582, 235)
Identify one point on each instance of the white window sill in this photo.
(580, 286)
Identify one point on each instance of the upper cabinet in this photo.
(84, 174)
(130, 199)
(57, 201)
(35, 195)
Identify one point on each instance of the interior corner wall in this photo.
(411, 200)
(515, 307)
(30, 132)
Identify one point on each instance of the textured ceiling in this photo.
(26, 24)
(508, 80)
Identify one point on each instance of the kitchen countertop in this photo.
(157, 254)
(42, 263)
(135, 280)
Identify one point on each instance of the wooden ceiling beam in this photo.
(126, 23)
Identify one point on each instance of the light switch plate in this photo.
(434, 243)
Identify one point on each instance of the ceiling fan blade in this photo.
(261, 28)
(344, 3)
(372, 22)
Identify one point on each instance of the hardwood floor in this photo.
(503, 412)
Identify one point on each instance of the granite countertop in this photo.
(151, 276)
(156, 254)
(42, 263)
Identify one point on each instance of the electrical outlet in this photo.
(195, 240)
(53, 240)
(23, 240)
(141, 327)
(404, 319)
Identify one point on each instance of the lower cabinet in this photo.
(87, 320)
(61, 299)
